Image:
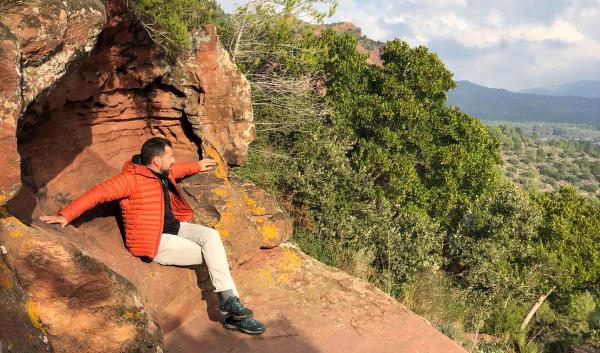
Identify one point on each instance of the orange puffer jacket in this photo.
(142, 203)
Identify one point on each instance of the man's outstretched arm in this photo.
(117, 187)
(182, 170)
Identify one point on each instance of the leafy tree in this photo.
(169, 22)
(569, 240)
(262, 29)
(416, 149)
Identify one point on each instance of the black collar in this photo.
(159, 175)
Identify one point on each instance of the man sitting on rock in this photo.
(156, 215)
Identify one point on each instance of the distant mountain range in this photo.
(588, 89)
(499, 104)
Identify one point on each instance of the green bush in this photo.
(169, 22)
(569, 240)
(493, 244)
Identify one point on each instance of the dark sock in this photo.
(226, 294)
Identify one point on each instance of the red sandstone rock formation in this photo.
(37, 44)
(83, 87)
(371, 48)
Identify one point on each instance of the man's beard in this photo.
(165, 171)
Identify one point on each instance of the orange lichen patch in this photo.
(266, 276)
(16, 233)
(12, 221)
(267, 229)
(254, 209)
(4, 273)
(286, 265)
(220, 191)
(284, 278)
(130, 315)
(221, 169)
(223, 231)
(26, 245)
(225, 220)
(5, 282)
(32, 311)
(290, 260)
(12, 227)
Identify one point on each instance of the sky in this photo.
(511, 44)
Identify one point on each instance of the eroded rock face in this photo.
(218, 101)
(39, 41)
(42, 45)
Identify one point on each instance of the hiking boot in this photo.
(234, 308)
(247, 325)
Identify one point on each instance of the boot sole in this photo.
(237, 328)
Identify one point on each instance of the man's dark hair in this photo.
(152, 148)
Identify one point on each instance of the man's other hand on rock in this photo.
(55, 219)
(207, 164)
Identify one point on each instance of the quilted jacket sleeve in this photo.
(117, 187)
(181, 170)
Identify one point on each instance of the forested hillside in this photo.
(387, 182)
(545, 163)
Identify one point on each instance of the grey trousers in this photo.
(187, 247)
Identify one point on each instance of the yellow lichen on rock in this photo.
(267, 229)
(265, 276)
(13, 226)
(254, 209)
(3, 211)
(220, 191)
(225, 220)
(290, 260)
(132, 316)
(16, 233)
(11, 221)
(282, 270)
(221, 169)
(34, 317)
(28, 244)
(4, 275)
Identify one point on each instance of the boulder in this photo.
(66, 300)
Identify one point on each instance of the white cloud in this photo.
(512, 44)
(229, 5)
(509, 43)
(559, 30)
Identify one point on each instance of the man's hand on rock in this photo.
(207, 164)
(55, 219)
